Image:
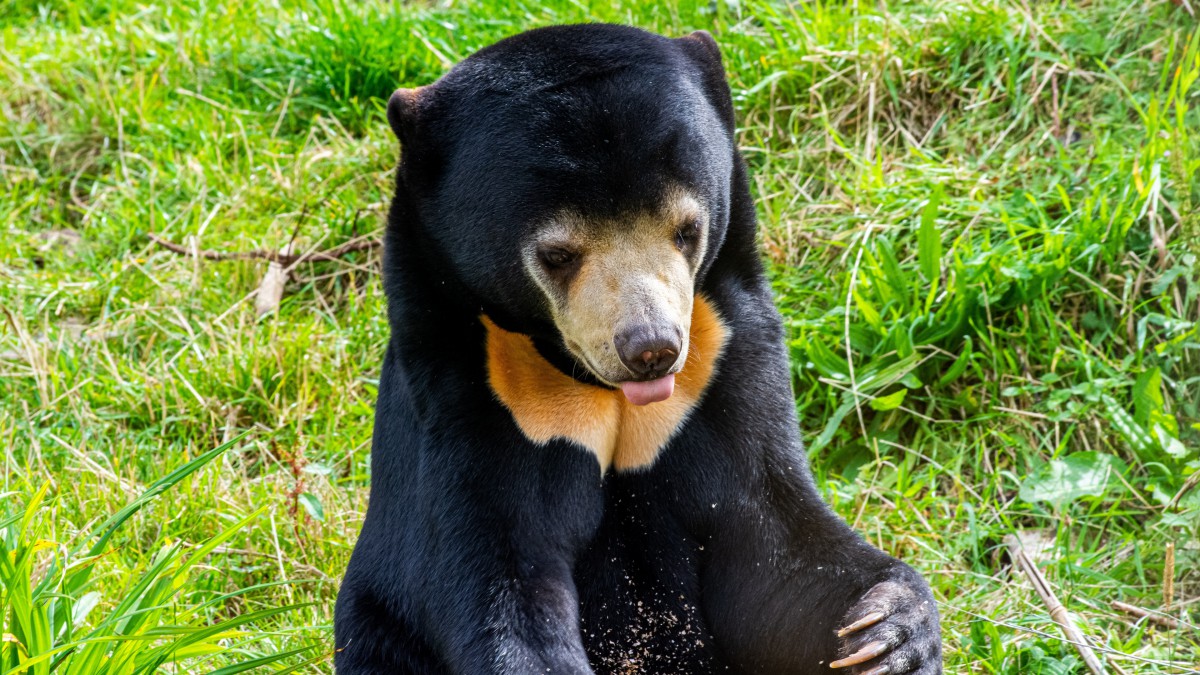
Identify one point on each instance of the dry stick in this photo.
(1057, 611)
(1169, 577)
(296, 228)
(284, 259)
(1167, 622)
(1117, 667)
(1188, 485)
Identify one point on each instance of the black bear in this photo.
(586, 456)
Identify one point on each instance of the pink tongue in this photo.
(642, 393)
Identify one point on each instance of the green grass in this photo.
(982, 219)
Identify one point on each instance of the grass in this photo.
(982, 219)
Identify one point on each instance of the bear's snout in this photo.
(647, 350)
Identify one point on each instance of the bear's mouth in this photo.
(637, 392)
(649, 391)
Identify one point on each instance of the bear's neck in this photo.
(555, 354)
(548, 403)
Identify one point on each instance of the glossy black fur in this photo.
(485, 553)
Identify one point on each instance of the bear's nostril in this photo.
(647, 351)
(660, 360)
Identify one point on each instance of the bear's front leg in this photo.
(496, 583)
(892, 629)
(512, 620)
(464, 565)
(533, 624)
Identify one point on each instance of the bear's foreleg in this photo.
(465, 560)
(824, 603)
(481, 594)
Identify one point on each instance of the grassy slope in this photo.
(989, 207)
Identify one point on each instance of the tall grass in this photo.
(50, 596)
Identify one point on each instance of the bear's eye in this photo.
(688, 234)
(556, 257)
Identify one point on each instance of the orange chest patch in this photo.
(547, 404)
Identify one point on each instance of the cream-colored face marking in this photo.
(640, 270)
(547, 404)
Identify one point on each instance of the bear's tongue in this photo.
(642, 393)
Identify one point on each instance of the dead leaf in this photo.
(270, 289)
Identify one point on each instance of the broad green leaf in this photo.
(31, 509)
(1164, 419)
(1137, 436)
(959, 366)
(902, 339)
(828, 363)
(868, 311)
(831, 426)
(84, 606)
(313, 506)
(889, 402)
(880, 374)
(1147, 395)
(929, 240)
(1170, 445)
(896, 278)
(1083, 474)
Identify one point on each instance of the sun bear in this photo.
(586, 455)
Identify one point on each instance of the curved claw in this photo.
(863, 655)
(868, 620)
(885, 669)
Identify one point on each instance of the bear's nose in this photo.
(648, 351)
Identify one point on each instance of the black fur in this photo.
(485, 553)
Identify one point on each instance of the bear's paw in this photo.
(892, 630)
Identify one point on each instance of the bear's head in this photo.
(575, 181)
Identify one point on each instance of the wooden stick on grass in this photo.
(1057, 611)
(1169, 577)
(284, 259)
(1162, 620)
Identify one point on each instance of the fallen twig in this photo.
(1057, 611)
(1161, 620)
(1188, 486)
(1169, 576)
(283, 258)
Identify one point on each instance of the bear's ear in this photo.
(702, 50)
(402, 111)
(701, 46)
